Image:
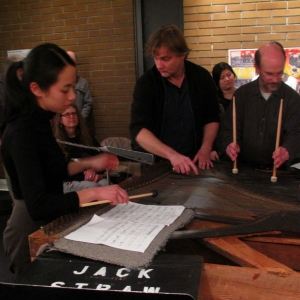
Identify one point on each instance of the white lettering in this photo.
(101, 272)
(103, 287)
(81, 272)
(119, 273)
(151, 289)
(127, 288)
(81, 285)
(57, 284)
(144, 273)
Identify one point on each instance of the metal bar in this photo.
(282, 221)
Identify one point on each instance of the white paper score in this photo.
(129, 226)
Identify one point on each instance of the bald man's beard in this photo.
(270, 87)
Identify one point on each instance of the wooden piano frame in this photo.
(261, 266)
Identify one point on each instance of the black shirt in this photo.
(178, 128)
(36, 166)
(256, 123)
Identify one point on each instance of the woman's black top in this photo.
(36, 166)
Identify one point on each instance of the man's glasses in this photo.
(69, 114)
(274, 75)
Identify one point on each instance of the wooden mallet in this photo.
(153, 193)
(274, 178)
(234, 170)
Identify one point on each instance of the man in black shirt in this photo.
(175, 112)
(257, 108)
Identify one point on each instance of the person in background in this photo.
(70, 127)
(8, 62)
(33, 160)
(174, 113)
(224, 78)
(84, 100)
(257, 109)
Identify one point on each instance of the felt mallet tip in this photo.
(273, 178)
(235, 171)
(154, 193)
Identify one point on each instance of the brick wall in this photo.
(102, 34)
(214, 26)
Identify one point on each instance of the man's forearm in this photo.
(147, 140)
(210, 132)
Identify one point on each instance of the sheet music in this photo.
(129, 226)
(147, 214)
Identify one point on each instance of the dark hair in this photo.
(10, 60)
(257, 55)
(82, 131)
(170, 36)
(218, 69)
(42, 65)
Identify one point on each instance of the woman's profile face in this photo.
(227, 80)
(61, 94)
(69, 117)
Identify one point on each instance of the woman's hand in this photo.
(103, 161)
(98, 163)
(91, 175)
(113, 193)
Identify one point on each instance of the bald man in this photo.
(84, 98)
(257, 108)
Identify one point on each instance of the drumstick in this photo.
(154, 193)
(274, 178)
(234, 170)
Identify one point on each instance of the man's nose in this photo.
(159, 64)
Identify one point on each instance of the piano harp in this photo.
(221, 198)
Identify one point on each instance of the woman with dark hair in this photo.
(71, 127)
(224, 78)
(31, 155)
